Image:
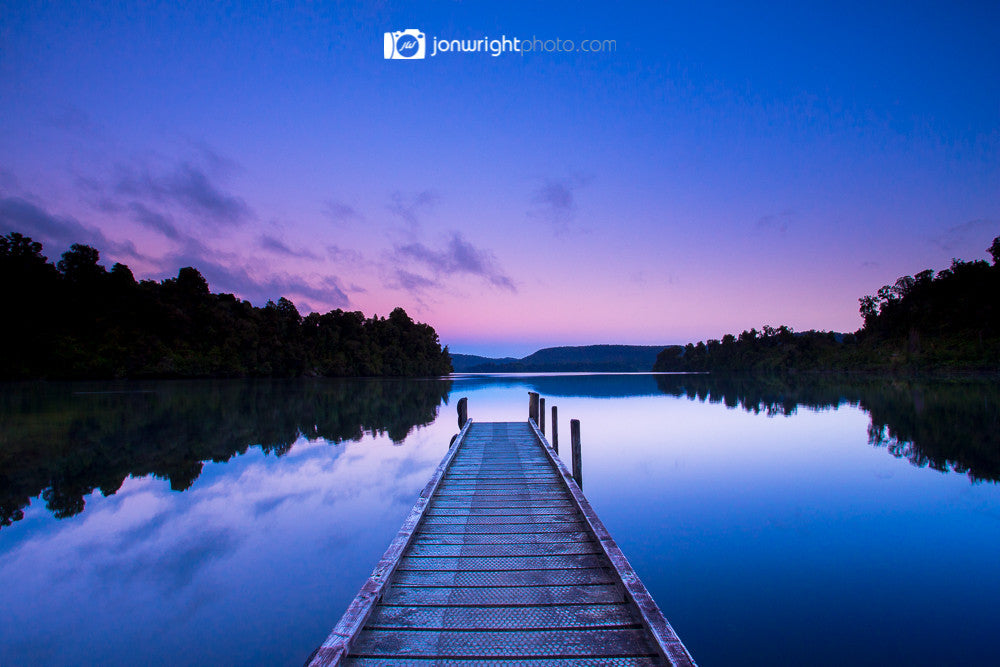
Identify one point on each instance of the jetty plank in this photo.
(503, 560)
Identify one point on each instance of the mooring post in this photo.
(574, 440)
(463, 411)
(533, 406)
(555, 431)
(541, 415)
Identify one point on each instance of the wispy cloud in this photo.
(176, 567)
(20, 215)
(72, 119)
(279, 247)
(409, 208)
(338, 254)
(188, 187)
(458, 256)
(153, 220)
(178, 200)
(961, 236)
(412, 282)
(8, 181)
(215, 162)
(225, 272)
(228, 273)
(775, 222)
(341, 213)
(554, 201)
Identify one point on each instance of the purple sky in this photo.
(723, 167)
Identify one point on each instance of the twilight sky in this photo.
(721, 168)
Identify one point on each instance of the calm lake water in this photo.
(818, 522)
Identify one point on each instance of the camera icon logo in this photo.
(404, 45)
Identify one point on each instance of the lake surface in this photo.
(819, 521)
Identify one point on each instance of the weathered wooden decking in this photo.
(502, 560)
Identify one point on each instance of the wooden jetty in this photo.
(502, 561)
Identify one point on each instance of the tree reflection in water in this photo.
(944, 424)
(63, 441)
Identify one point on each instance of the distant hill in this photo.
(463, 363)
(599, 358)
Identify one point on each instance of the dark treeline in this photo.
(943, 424)
(63, 441)
(947, 321)
(75, 319)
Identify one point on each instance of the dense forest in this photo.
(75, 319)
(944, 321)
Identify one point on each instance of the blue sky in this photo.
(723, 167)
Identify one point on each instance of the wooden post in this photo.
(541, 415)
(533, 406)
(463, 411)
(574, 439)
(555, 431)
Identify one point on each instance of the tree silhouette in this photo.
(77, 320)
(80, 265)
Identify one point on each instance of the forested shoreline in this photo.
(948, 321)
(76, 320)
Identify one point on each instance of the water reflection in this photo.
(64, 441)
(590, 385)
(755, 535)
(944, 424)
